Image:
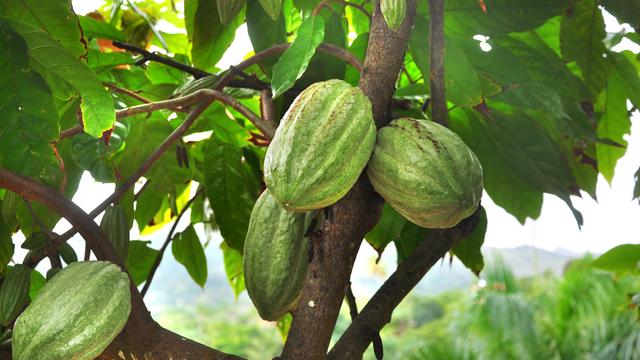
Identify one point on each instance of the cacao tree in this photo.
(350, 124)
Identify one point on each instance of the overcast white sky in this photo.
(613, 219)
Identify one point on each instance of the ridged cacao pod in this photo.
(76, 315)
(115, 225)
(426, 172)
(228, 9)
(321, 146)
(394, 12)
(14, 293)
(275, 257)
(272, 8)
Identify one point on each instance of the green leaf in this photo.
(386, 230)
(208, 37)
(628, 67)
(233, 268)
(54, 17)
(467, 18)
(159, 73)
(116, 227)
(293, 63)
(6, 244)
(94, 155)
(620, 259)
(147, 206)
(37, 282)
(625, 10)
(67, 253)
(93, 28)
(100, 61)
(230, 190)
(468, 249)
(581, 35)
(188, 251)
(264, 32)
(409, 238)
(56, 62)
(29, 119)
(613, 125)
(14, 293)
(140, 260)
(283, 325)
(505, 187)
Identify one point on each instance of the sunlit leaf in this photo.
(188, 251)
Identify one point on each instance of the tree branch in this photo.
(147, 55)
(168, 239)
(340, 236)
(436, 62)
(377, 313)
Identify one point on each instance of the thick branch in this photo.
(339, 238)
(377, 313)
(436, 61)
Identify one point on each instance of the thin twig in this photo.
(325, 3)
(128, 92)
(147, 55)
(267, 108)
(378, 349)
(53, 256)
(436, 62)
(168, 239)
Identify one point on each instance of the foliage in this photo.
(545, 111)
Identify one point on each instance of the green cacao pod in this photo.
(394, 12)
(272, 8)
(228, 9)
(76, 315)
(14, 293)
(275, 257)
(115, 225)
(321, 146)
(426, 172)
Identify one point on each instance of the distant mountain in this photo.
(173, 288)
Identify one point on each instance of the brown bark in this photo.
(436, 62)
(339, 237)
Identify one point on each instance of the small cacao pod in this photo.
(228, 9)
(394, 12)
(275, 257)
(115, 225)
(426, 172)
(272, 8)
(321, 146)
(76, 315)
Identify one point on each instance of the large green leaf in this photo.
(54, 17)
(386, 230)
(29, 119)
(57, 62)
(613, 125)
(14, 293)
(581, 35)
(468, 249)
(625, 10)
(6, 243)
(140, 260)
(628, 67)
(264, 32)
(230, 190)
(233, 268)
(293, 63)
(505, 187)
(467, 17)
(188, 251)
(621, 259)
(208, 37)
(93, 28)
